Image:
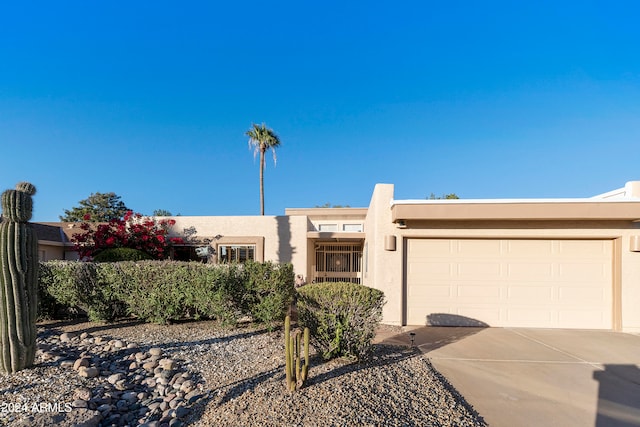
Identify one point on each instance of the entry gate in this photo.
(338, 262)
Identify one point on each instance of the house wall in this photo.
(285, 237)
(386, 268)
(383, 268)
(48, 251)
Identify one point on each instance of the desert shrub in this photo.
(162, 291)
(121, 254)
(268, 291)
(216, 292)
(78, 284)
(342, 317)
(48, 307)
(154, 291)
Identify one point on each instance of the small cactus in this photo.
(296, 373)
(18, 280)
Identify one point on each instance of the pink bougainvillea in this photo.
(133, 231)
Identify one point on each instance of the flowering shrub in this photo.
(133, 231)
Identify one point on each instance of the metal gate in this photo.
(338, 262)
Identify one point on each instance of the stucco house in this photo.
(548, 263)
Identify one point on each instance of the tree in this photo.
(162, 212)
(262, 139)
(100, 207)
(444, 196)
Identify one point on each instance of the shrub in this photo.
(78, 284)
(342, 317)
(121, 254)
(48, 307)
(133, 231)
(161, 291)
(268, 291)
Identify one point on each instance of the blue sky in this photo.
(151, 100)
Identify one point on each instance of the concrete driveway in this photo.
(538, 377)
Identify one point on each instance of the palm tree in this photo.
(261, 139)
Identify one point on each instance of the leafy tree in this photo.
(444, 196)
(99, 207)
(162, 212)
(262, 139)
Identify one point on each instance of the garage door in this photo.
(514, 282)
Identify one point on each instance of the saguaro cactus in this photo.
(18, 280)
(296, 372)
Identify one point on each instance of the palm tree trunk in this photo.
(262, 181)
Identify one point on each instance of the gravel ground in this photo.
(241, 375)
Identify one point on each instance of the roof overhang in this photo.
(517, 210)
(328, 213)
(335, 235)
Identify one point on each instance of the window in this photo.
(352, 227)
(328, 227)
(236, 253)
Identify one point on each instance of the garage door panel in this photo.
(526, 293)
(430, 269)
(487, 270)
(530, 270)
(518, 282)
(482, 292)
(584, 272)
(582, 317)
(585, 248)
(433, 292)
(524, 248)
(478, 248)
(425, 247)
(581, 295)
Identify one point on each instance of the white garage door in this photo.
(515, 282)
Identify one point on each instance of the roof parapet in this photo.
(630, 191)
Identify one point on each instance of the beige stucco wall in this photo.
(386, 268)
(48, 251)
(285, 237)
(382, 268)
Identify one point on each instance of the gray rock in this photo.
(192, 396)
(67, 337)
(82, 393)
(182, 411)
(83, 361)
(187, 386)
(66, 364)
(115, 378)
(130, 396)
(168, 364)
(79, 403)
(150, 366)
(89, 372)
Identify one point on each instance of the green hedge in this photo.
(160, 291)
(268, 291)
(80, 285)
(342, 317)
(121, 254)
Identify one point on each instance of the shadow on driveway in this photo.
(618, 399)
